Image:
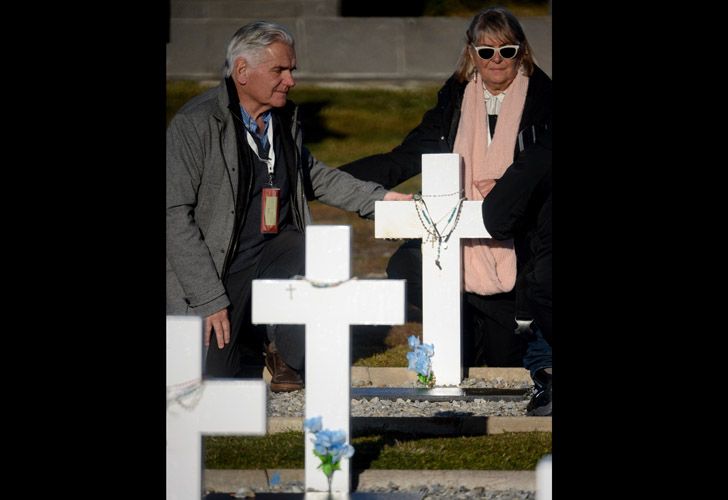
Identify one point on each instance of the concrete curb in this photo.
(435, 426)
(363, 376)
(232, 480)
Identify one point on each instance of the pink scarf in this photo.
(489, 266)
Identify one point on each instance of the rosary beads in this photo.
(433, 233)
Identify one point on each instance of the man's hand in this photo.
(220, 323)
(395, 196)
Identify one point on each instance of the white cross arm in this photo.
(398, 219)
(235, 396)
(354, 302)
(219, 406)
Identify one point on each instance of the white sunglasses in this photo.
(486, 52)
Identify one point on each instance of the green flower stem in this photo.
(327, 466)
(428, 381)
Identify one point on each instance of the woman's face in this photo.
(497, 72)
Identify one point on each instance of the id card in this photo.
(269, 210)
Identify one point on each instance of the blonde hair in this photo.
(500, 24)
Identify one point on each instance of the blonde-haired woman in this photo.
(494, 106)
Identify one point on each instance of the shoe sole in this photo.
(541, 411)
(285, 387)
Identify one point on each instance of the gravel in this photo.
(497, 383)
(291, 404)
(423, 492)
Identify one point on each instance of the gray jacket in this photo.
(202, 185)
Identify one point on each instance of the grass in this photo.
(383, 346)
(392, 356)
(341, 125)
(507, 451)
(178, 93)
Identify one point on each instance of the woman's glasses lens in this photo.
(508, 52)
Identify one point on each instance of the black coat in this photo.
(519, 207)
(436, 133)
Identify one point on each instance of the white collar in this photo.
(493, 102)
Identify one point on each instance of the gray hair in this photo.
(250, 40)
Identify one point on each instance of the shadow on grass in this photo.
(369, 449)
(395, 450)
(312, 123)
(368, 340)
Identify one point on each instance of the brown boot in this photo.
(283, 377)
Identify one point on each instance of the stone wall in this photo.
(329, 47)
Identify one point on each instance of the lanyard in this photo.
(271, 160)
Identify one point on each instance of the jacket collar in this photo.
(227, 101)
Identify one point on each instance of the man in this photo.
(238, 181)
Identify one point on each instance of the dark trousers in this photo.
(489, 322)
(280, 258)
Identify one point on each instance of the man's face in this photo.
(265, 83)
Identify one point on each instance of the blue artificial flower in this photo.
(312, 424)
(340, 451)
(413, 342)
(418, 360)
(322, 441)
(422, 364)
(412, 361)
(275, 479)
(428, 349)
(330, 446)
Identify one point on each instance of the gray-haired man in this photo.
(238, 181)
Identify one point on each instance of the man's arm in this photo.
(341, 190)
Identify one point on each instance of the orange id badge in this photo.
(269, 210)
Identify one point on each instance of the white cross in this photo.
(441, 287)
(328, 310)
(194, 407)
(543, 478)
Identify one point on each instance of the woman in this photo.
(496, 81)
